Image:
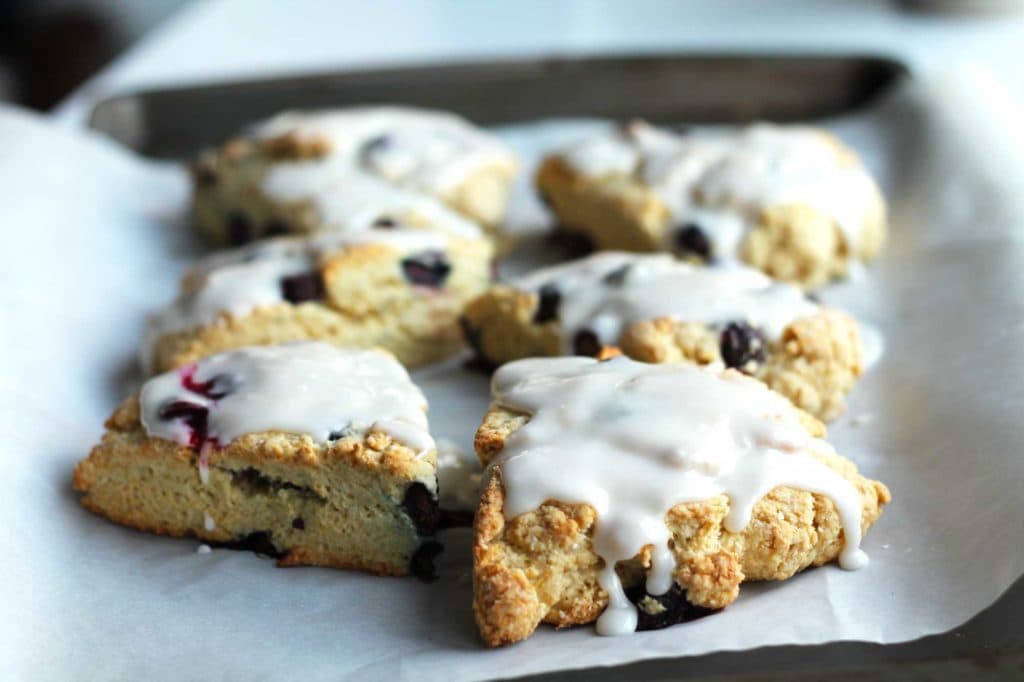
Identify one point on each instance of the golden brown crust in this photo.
(815, 362)
(367, 304)
(319, 504)
(796, 243)
(540, 566)
(228, 182)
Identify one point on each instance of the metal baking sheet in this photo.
(697, 89)
(175, 123)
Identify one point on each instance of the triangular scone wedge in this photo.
(541, 566)
(363, 500)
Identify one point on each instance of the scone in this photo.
(660, 309)
(396, 288)
(791, 201)
(313, 454)
(640, 495)
(341, 169)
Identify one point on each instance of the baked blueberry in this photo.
(422, 563)
(428, 268)
(547, 305)
(239, 229)
(586, 343)
(299, 523)
(420, 506)
(275, 228)
(691, 239)
(741, 344)
(617, 276)
(306, 286)
(375, 144)
(671, 608)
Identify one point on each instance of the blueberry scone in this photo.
(791, 201)
(640, 495)
(343, 169)
(396, 288)
(660, 309)
(310, 453)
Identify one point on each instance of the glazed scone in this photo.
(313, 454)
(643, 495)
(340, 170)
(659, 309)
(791, 201)
(396, 288)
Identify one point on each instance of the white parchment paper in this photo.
(92, 240)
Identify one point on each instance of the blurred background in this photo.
(49, 48)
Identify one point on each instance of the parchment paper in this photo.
(93, 240)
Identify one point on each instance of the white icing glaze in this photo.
(208, 522)
(241, 280)
(382, 160)
(306, 388)
(350, 200)
(717, 179)
(417, 148)
(633, 440)
(658, 285)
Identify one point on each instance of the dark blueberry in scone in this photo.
(306, 286)
(586, 343)
(692, 240)
(258, 542)
(194, 416)
(299, 523)
(671, 608)
(547, 304)
(617, 276)
(421, 507)
(384, 223)
(203, 175)
(239, 229)
(740, 344)
(429, 268)
(422, 563)
(275, 228)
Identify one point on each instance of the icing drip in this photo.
(608, 291)
(633, 440)
(722, 181)
(328, 391)
(382, 160)
(241, 280)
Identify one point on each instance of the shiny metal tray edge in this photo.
(697, 88)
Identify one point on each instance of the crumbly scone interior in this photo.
(367, 303)
(338, 504)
